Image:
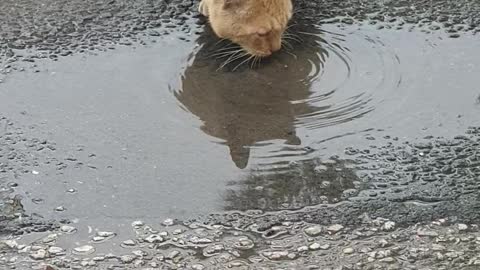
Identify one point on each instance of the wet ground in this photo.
(120, 111)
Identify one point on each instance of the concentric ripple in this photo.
(320, 79)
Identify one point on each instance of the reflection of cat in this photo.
(256, 25)
(250, 105)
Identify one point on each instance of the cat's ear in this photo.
(228, 4)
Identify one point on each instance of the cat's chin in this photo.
(258, 53)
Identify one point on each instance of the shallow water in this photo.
(166, 134)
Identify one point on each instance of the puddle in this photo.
(160, 132)
(317, 82)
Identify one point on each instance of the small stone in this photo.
(138, 223)
(314, 246)
(68, 229)
(276, 255)
(197, 267)
(35, 172)
(462, 227)
(348, 251)
(50, 238)
(98, 238)
(168, 222)
(388, 226)
(429, 233)
(83, 250)
(388, 260)
(60, 209)
(244, 243)
(139, 253)
(313, 230)
(56, 250)
(98, 258)
(321, 168)
(39, 254)
(105, 234)
(153, 264)
(324, 246)
(303, 248)
(154, 239)
(129, 243)
(438, 247)
(335, 228)
(128, 258)
(384, 243)
(10, 243)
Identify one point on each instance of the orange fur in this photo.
(256, 25)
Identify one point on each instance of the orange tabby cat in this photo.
(256, 25)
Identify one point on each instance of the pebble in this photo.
(462, 227)
(50, 238)
(303, 248)
(335, 228)
(429, 233)
(105, 234)
(197, 267)
(387, 260)
(98, 258)
(138, 223)
(313, 230)
(276, 255)
(129, 243)
(168, 222)
(98, 238)
(438, 247)
(154, 238)
(244, 243)
(68, 229)
(10, 243)
(39, 254)
(348, 251)
(128, 258)
(60, 209)
(389, 226)
(55, 250)
(84, 250)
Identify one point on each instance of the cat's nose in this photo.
(275, 47)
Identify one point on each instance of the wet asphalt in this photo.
(116, 111)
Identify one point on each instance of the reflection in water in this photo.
(249, 107)
(303, 184)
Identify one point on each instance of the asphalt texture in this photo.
(369, 118)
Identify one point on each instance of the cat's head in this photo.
(256, 25)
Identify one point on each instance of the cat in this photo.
(256, 25)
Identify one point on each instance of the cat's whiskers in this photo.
(256, 61)
(292, 37)
(243, 62)
(220, 41)
(225, 54)
(232, 58)
(309, 34)
(292, 54)
(287, 44)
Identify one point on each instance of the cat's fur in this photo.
(256, 25)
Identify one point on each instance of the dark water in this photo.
(166, 134)
(315, 82)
